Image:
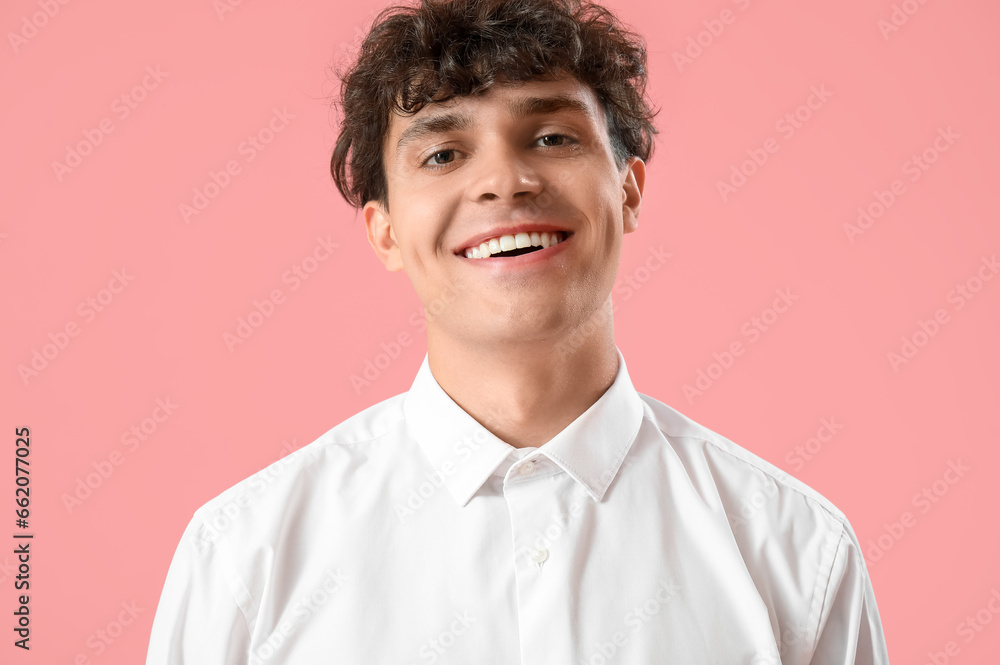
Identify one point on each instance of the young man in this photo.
(521, 503)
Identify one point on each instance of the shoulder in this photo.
(747, 482)
(255, 508)
(795, 544)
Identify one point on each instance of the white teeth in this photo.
(507, 242)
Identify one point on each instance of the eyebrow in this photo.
(520, 108)
(523, 107)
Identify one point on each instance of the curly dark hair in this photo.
(440, 49)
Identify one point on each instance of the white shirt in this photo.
(410, 534)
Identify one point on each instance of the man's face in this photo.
(532, 157)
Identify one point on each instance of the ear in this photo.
(633, 180)
(381, 236)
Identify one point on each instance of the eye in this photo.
(449, 156)
(555, 140)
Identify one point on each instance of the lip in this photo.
(475, 241)
(521, 260)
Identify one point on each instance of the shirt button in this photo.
(538, 556)
(527, 468)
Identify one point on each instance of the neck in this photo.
(526, 392)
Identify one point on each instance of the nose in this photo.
(506, 173)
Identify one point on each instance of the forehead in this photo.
(515, 100)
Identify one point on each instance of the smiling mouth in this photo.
(515, 244)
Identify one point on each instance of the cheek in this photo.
(419, 234)
(608, 216)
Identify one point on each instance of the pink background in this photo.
(162, 336)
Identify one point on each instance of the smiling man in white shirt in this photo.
(522, 502)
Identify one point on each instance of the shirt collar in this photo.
(464, 454)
